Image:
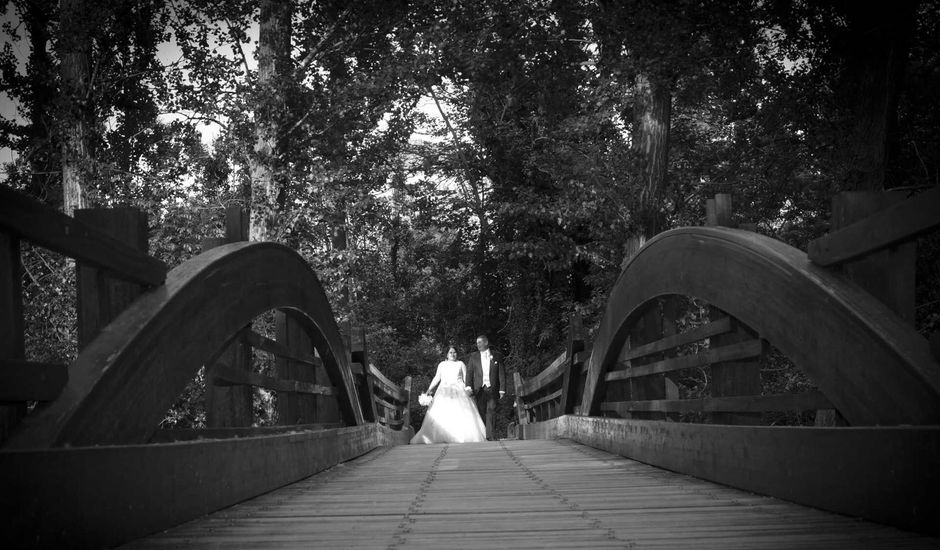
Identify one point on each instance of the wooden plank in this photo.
(37, 223)
(94, 497)
(570, 496)
(741, 350)
(102, 297)
(223, 375)
(169, 435)
(272, 346)
(734, 378)
(883, 474)
(29, 381)
(550, 397)
(551, 373)
(872, 366)
(390, 388)
(708, 330)
(898, 223)
(745, 403)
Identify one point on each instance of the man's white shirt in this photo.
(485, 363)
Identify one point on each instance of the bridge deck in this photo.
(519, 494)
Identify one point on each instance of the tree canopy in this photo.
(457, 168)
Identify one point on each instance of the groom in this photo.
(486, 377)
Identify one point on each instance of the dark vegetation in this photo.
(455, 168)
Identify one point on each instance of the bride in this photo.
(452, 416)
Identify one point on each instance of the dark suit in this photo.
(486, 397)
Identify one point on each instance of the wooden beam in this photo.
(746, 403)
(37, 223)
(169, 435)
(741, 350)
(715, 328)
(272, 346)
(227, 376)
(550, 397)
(551, 373)
(390, 388)
(897, 223)
(30, 381)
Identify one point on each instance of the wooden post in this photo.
(723, 210)
(102, 297)
(734, 378)
(738, 377)
(569, 385)
(359, 354)
(648, 328)
(230, 406)
(520, 403)
(889, 274)
(12, 339)
(406, 412)
(293, 408)
(670, 316)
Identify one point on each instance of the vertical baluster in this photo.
(230, 406)
(734, 377)
(101, 297)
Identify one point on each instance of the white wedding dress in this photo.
(452, 416)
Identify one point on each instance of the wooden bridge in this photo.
(608, 450)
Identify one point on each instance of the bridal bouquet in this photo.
(425, 400)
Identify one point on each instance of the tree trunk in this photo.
(268, 180)
(42, 98)
(874, 57)
(74, 47)
(652, 109)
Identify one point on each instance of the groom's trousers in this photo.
(486, 404)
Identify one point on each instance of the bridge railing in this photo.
(684, 368)
(113, 268)
(89, 466)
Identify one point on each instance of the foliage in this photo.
(456, 168)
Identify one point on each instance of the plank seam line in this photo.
(671, 479)
(593, 522)
(400, 538)
(270, 501)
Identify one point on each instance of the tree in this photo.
(268, 177)
(75, 115)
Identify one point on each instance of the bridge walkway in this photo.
(519, 494)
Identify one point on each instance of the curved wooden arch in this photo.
(122, 384)
(863, 357)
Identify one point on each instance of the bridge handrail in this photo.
(28, 219)
(897, 223)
